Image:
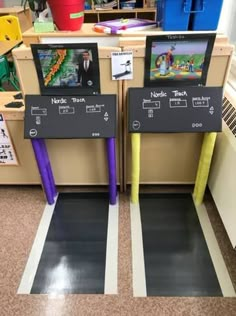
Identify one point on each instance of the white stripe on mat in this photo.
(111, 270)
(36, 250)
(216, 256)
(139, 278)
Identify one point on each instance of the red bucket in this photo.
(67, 15)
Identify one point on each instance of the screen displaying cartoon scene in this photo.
(67, 69)
(181, 59)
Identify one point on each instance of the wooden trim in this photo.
(24, 16)
(24, 52)
(222, 50)
(139, 40)
(218, 50)
(227, 70)
(31, 40)
(13, 114)
(105, 52)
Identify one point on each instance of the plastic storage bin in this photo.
(183, 15)
(176, 15)
(206, 16)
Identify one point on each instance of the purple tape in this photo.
(111, 157)
(41, 162)
(48, 166)
(45, 170)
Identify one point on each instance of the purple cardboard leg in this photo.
(111, 157)
(39, 155)
(48, 167)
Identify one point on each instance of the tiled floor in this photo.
(20, 213)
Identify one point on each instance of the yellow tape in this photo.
(204, 167)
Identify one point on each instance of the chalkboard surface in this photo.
(70, 116)
(171, 109)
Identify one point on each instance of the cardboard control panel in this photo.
(174, 109)
(70, 116)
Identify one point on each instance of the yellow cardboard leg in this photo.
(204, 167)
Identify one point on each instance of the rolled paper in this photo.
(111, 157)
(41, 162)
(48, 166)
(204, 167)
(135, 169)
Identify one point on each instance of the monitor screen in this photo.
(67, 69)
(181, 59)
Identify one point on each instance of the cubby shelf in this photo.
(141, 11)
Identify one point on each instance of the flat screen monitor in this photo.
(181, 59)
(67, 69)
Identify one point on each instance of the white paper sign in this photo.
(122, 65)
(7, 152)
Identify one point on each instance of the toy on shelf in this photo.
(118, 26)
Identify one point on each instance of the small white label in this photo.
(122, 65)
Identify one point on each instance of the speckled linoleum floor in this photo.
(21, 209)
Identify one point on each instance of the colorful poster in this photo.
(7, 152)
(181, 59)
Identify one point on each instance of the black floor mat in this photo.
(177, 260)
(74, 254)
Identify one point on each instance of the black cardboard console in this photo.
(174, 109)
(70, 116)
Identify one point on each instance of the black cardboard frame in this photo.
(172, 40)
(92, 48)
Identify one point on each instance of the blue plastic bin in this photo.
(176, 15)
(207, 14)
(160, 5)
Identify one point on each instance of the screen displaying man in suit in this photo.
(85, 71)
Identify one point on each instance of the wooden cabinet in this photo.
(143, 9)
(24, 16)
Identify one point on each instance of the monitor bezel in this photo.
(74, 90)
(209, 37)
